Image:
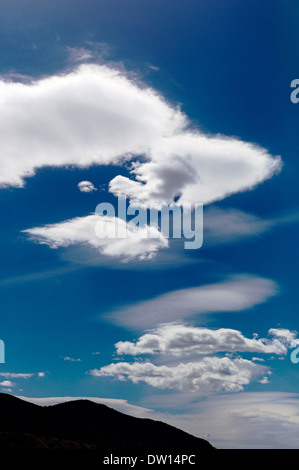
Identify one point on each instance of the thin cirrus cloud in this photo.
(232, 225)
(247, 420)
(97, 115)
(118, 404)
(86, 231)
(241, 292)
(13, 375)
(181, 340)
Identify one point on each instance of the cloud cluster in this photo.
(8, 384)
(97, 115)
(205, 371)
(238, 293)
(138, 244)
(210, 374)
(181, 340)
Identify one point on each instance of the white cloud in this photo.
(71, 359)
(180, 340)
(210, 374)
(93, 115)
(86, 187)
(86, 231)
(7, 383)
(96, 115)
(233, 225)
(239, 293)
(264, 380)
(286, 336)
(79, 54)
(197, 168)
(13, 375)
(247, 420)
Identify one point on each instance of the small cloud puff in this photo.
(72, 359)
(86, 187)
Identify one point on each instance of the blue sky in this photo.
(199, 94)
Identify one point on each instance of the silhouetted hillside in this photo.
(83, 424)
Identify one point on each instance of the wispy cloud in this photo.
(247, 420)
(71, 359)
(14, 375)
(238, 293)
(231, 225)
(118, 404)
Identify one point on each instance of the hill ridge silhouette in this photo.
(84, 424)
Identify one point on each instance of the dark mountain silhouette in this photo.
(83, 424)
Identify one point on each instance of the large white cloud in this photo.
(93, 115)
(142, 243)
(210, 374)
(96, 115)
(238, 293)
(197, 168)
(180, 340)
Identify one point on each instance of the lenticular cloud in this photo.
(97, 115)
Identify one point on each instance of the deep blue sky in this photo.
(229, 65)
